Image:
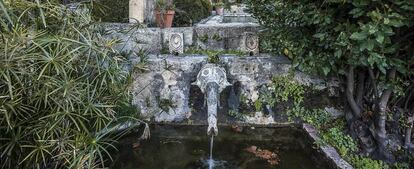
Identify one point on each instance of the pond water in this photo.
(187, 147)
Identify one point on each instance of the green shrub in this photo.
(189, 12)
(61, 84)
(362, 42)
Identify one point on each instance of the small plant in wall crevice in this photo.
(203, 38)
(217, 37)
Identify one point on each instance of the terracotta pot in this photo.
(219, 10)
(164, 19)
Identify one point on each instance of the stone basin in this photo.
(187, 147)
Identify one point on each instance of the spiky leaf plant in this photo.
(61, 83)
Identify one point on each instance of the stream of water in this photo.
(211, 161)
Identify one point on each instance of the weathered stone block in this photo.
(188, 35)
(134, 38)
(213, 34)
(168, 78)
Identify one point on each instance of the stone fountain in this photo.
(212, 80)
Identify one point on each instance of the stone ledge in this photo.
(328, 150)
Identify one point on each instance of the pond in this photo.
(187, 147)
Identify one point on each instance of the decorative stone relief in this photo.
(176, 43)
(250, 43)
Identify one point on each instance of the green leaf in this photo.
(326, 70)
(319, 35)
(371, 60)
(42, 15)
(380, 38)
(358, 36)
(382, 69)
(338, 53)
(6, 13)
(370, 45)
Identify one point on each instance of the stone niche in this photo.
(223, 36)
(164, 93)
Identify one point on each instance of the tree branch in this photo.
(350, 93)
(374, 82)
(382, 105)
(360, 88)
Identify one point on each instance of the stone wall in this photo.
(155, 40)
(164, 93)
(152, 40)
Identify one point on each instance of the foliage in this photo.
(190, 12)
(213, 59)
(203, 38)
(193, 50)
(325, 36)
(218, 4)
(341, 141)
(237, 115)
(401, 166)
(166, 104)
(217, 37)
(61, 85)
(164, 5)
(360, 162)
(368, 43)
(111, 10)
(281, 89)
(315, 117)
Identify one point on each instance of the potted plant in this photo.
(219, 6)
(164, 13)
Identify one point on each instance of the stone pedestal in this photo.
(137, 11)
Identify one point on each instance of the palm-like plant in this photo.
(61, 83)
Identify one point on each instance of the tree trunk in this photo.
(380, 122)
(408, 130)
(358, 128)
(360, 88)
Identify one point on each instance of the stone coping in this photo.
(328, 150)
(262, 56)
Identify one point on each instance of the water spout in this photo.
(212, 104)
(212, 80)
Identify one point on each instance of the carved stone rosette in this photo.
(176, 43)
(250, 43)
